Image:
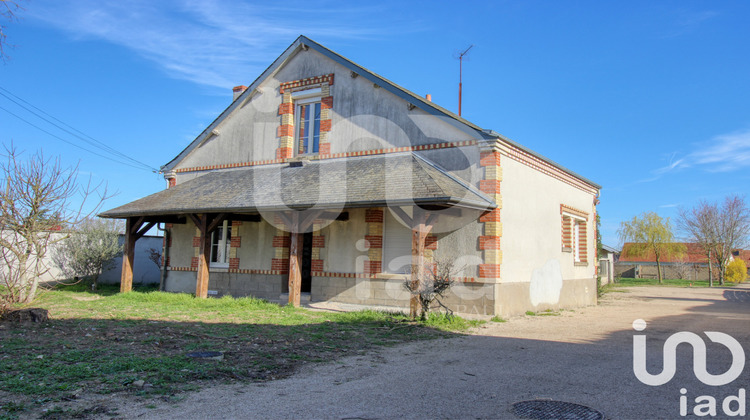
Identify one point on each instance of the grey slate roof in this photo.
(373, 181)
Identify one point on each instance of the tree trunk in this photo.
(710, 271)
(658, 270)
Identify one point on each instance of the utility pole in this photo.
(460, 75)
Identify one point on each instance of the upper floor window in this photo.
(307, 111)
(221, 240)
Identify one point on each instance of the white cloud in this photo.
(723, 153)
(214, 43)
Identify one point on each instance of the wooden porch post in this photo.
(201, 283)
(205, 226)
(421, 224)
(418, 236)
(134, 230)
(296, 224)
(128, 254)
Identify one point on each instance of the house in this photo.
(607, 263)
(325, 181)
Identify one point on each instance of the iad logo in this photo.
(699, 357)
(705, 404)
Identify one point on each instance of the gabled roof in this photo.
(372, 181)
(304, 42)
(414, 99)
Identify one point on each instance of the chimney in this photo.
(238, 91)
(428, 97)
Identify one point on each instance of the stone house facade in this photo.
(325, 181)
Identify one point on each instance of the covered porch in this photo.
(298, 198)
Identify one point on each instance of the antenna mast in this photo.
(460, 75)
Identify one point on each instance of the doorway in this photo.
(306, 265)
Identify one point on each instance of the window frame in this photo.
(307, 98)
(224, 242)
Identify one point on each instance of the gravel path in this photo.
(582, 356)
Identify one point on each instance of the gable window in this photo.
(307, 113)
(221, 240)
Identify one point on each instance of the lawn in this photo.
(138, 342)
(630, 282)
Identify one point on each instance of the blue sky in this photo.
(649, 99)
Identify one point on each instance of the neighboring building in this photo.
(327, 180)
(145, 270)
(607, 264)
(690, 265)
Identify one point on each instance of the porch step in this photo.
(303, 298)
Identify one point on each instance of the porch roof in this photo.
(399, 179)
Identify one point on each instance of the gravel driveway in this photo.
(583, 356)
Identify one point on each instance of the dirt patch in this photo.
(582, 357)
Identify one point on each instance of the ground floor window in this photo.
(221, 239)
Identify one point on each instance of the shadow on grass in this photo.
(104, 342)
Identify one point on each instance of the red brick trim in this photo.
(319, 241)
(376, 275)
(574, 211)
(491, 158)
(234, 263)
(235, 242)
(331, 156)
(194, 262)
(286, 130)
(375, 241)
(541, 166)
(489, 271)
(296, 84)
(373, 216)
(490, 186)
(326, 103)
(196, 241)
(373, 267)
(489, 242)
(280, 264)
(490, 216)
(281, 154)
(431, 242)
(287, 108)
(316, 265)
(281, 241)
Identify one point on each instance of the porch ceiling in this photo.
(400, 179)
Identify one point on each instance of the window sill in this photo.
(581, 264)
(567, 249)
(219, 269)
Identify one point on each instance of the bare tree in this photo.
(89, 250)
(700, 224)
(35, 205)
(8, 10)
(650, 234)
(438, 278)
(719, 229)
(733, 231)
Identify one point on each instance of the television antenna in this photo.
(460, 75)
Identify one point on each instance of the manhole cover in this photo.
(212, 355)
(548, 410)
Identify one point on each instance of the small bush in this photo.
(736, 271)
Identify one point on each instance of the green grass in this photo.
(496, 318)
(546, 312)
(630, 282)
(104, 342)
